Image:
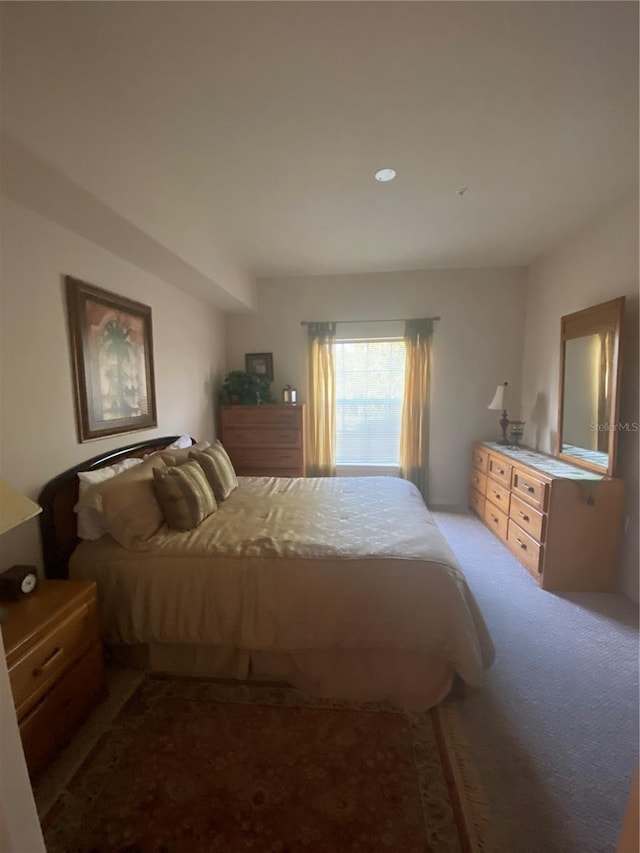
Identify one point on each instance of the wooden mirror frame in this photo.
(606, 317)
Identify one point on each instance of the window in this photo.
(369, 390)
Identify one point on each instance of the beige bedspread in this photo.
(297, 565)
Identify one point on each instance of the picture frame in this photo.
(260, 363)
(111, 342)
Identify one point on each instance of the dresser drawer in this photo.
(55, 719)
(524, 547)
(273, 458)
(262, 416)
(267, 437)
(269, 472)
(526, 517)
(44, 662)
(498, 495)
(499, 470)
(496, 520)
(480, 458)
(476, 502)
(477, 480)
(532, 491)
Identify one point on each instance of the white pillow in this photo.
(181, 441)
(90, 521)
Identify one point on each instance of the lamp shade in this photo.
(14, 508)
(500, 397)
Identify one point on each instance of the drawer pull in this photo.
(528, 488)
(522, 515)
(494, 519)
(521, 544)
(500, 471)
(496, 496)
(55, 654)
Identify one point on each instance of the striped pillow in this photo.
(219, 469)
(184, 494)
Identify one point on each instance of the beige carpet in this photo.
(554, 729)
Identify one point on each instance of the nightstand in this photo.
(56, 669)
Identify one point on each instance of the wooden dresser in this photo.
(265, 441)
(562, 522)
(54, 657)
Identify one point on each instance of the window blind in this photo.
(369, 391)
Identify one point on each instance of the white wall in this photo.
(38, 436)
(599, 263)
(476, 345)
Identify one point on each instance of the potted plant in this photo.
(247, 389)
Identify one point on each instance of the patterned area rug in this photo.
(200, 766)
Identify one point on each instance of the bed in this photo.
(344, 587)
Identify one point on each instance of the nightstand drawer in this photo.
(58, 715)
(44, 662)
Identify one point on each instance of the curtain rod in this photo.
(382, 320)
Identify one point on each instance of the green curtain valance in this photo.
(416, 330)
(324, 332)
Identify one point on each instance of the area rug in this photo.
(201, 766)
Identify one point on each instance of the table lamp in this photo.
(499, 403)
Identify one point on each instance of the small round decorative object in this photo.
(17, 582)
(29, 583)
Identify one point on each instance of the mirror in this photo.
(589, 386)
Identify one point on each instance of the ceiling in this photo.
(241, 138)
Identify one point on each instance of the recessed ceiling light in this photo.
(385, 175)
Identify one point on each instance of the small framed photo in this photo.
(260, 363)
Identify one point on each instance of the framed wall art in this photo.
(260, 363)
(112, 357)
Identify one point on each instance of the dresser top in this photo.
(543, 462)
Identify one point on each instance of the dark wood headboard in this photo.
(58, 521)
